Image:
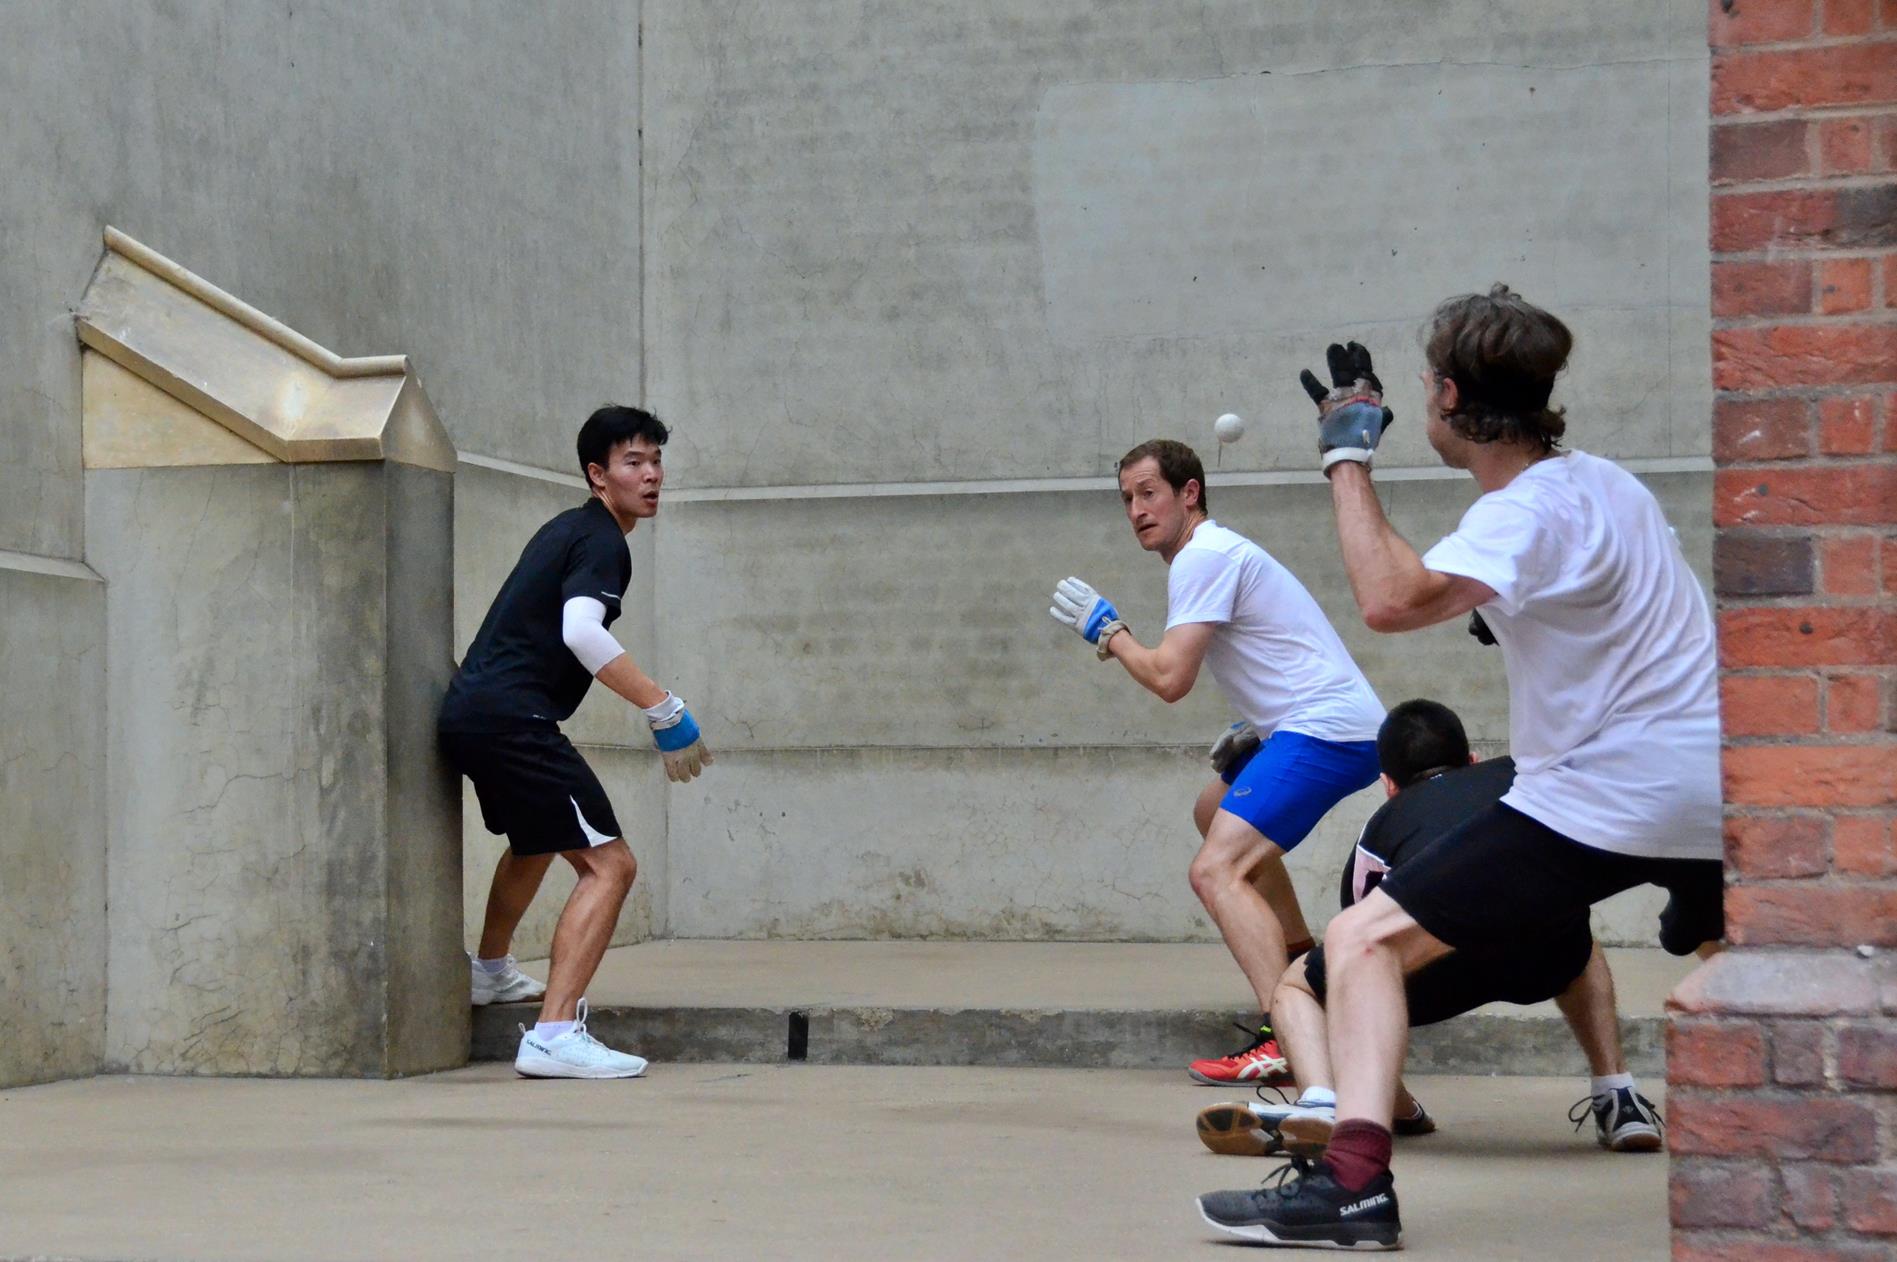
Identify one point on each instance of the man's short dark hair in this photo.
(1178, 464)
(615, 424)
(1418, 737)
(1503, 353)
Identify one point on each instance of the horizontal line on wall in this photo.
(1018, 486)
(57, 567)
(1488, 747)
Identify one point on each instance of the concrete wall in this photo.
(458, 182)
(896, 245)
(52, 829)
(283, 848)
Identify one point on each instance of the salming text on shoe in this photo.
(1302, 1205)
(1624, 1120)
(575, 1054)
(1259, 1061)
(510, 985)
(1236, 1130)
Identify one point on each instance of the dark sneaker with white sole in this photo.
(1302, 1206)
(1624, 1120)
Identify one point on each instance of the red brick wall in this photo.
(1782, 1054)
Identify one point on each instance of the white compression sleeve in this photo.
(583, 627)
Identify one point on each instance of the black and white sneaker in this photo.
(1624, 1120)
(1302, 1206)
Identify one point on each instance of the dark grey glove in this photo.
(1351, 416)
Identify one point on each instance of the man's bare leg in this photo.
(1298, 1019)
(1369, 949)
(1221, 877)
(1588, 1004)
(1269, 878)
(586, 924)
(516, 880)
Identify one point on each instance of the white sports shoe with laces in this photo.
(575, 1054)
(510, 985)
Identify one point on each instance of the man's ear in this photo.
(591, 485)
(1191, 484)
(1448, 396)
(1389, 786)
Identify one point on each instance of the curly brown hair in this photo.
(1503, 353)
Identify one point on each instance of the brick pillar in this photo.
(1782, 1054)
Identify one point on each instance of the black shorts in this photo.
(1535, 971)
(535, 788)
(1501, 878)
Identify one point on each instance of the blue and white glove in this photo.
(1351, 417)
(675, 732)
(1088, 612)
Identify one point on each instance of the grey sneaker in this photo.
(510, 985)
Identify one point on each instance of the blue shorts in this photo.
(1292, 781)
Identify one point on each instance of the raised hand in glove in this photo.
(1089, 613)
(1234, 745)
(1351, 417)
(675, 732)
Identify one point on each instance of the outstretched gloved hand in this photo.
(1089, 613)
(1350, 414)
(675, 732)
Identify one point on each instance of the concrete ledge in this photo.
(1013, 1004)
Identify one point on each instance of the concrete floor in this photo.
(753, 1162)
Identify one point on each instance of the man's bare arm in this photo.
(1393, 588)
(1169, 671)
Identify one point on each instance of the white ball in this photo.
(1230, 428)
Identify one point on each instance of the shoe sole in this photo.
(1643, 1140)
(554, 1069)
(1306, 1136)
(1233, 1130)
(1258, 1233)
(529, 997)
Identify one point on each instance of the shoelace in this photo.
(1284, 1099)
(1258, 1037)
(1287, 1181)
(1584, 1109)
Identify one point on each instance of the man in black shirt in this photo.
(542, 644)
(1433, 785)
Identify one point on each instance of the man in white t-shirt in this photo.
(1233, 609)
(1613, 724)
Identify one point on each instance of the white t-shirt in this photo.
(1613, 699)
(1275, 654)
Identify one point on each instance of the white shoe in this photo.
(575, 1054)
(1273, 1115)
(510, 985)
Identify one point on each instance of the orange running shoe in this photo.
(1259, 1062)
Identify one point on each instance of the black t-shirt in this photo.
(1405, 825)
(519, 671)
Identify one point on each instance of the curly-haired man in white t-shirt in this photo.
(1613, 724)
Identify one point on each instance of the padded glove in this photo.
(1350, 414)
(676, 734)
(1089, 613)
(1234, 744)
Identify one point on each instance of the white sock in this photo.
(493, 968)
(553, 1029)
(1315, 1096)
(1611, 1083)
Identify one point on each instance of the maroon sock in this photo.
(1359, 1151)
(1293, 950)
